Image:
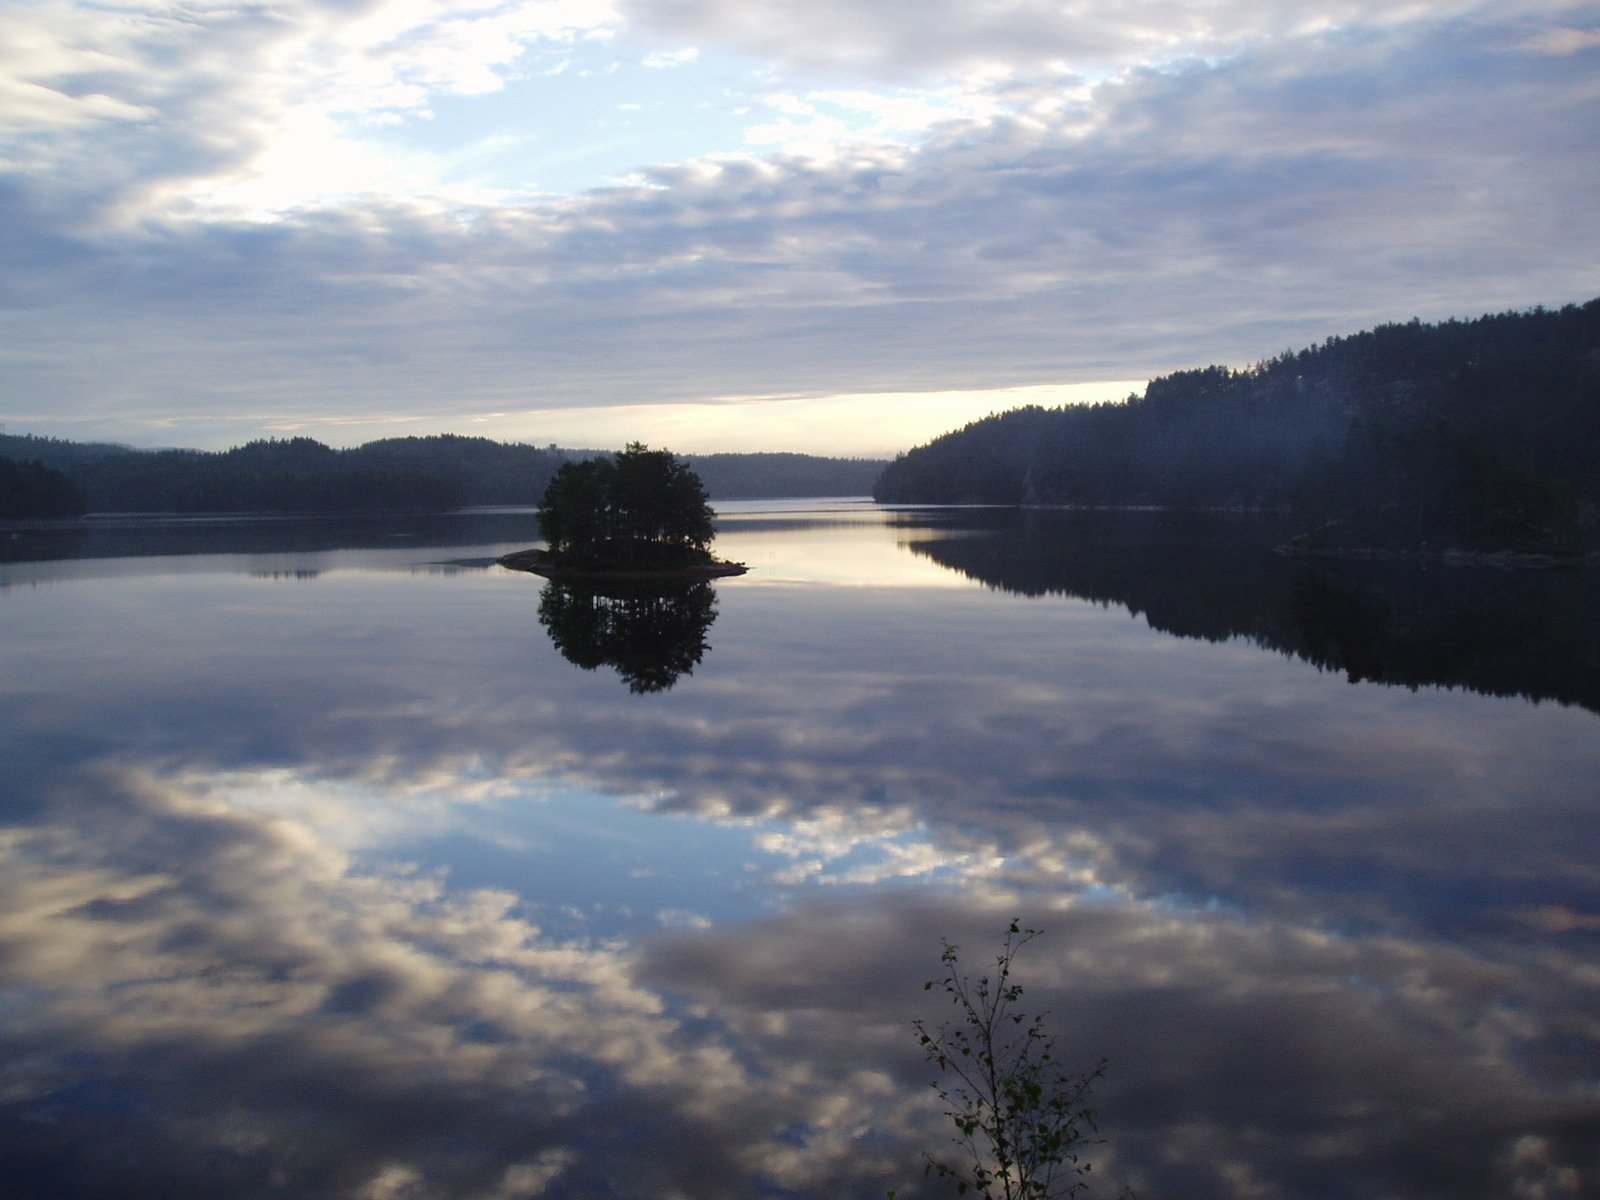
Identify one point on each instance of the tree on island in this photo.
(641, 509)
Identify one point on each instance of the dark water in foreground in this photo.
(324, 872)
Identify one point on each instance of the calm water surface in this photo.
(325, 873)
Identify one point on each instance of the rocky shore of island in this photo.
(552, 566)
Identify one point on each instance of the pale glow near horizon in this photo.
(843, 425)
(856, 425)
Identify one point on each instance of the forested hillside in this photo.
(294, 475)
(393, 475)
(1478, 434)
(31, 489)
(763, 476)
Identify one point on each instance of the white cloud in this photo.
(1023, 225)
(667, 59)
(916, 38)
(154, 103)
(1563, 41)
(836, 124)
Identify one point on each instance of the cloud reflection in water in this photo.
(283, 876)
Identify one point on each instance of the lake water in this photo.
(324, 872)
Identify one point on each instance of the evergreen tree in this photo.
(641, 507)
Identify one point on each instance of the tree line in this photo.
(767, 475)
(410, 474)
(1480, 434)
(31, 489)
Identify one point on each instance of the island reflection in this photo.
(649, 633)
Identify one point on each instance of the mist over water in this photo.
(325, 871)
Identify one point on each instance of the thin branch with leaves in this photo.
(1023, 1120)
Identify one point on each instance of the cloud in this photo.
(667, 59)
(1204, 211)
(156, 106)
(902, 39)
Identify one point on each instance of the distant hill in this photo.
(392, 475)
(293, 475)
(767, 476)
(31, 489)
(1479, 435)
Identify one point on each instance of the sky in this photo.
(842, 227)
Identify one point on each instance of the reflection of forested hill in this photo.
(1475, 434)
(153, 535)
(1205, 576)
(412, 474)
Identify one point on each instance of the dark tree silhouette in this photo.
(31, 489)
(641, 508)
(436, 474)
(1466, 435)
(1214, 576)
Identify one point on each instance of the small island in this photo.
(639, 515)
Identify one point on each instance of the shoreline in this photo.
(1504, 560)
(540, 562)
